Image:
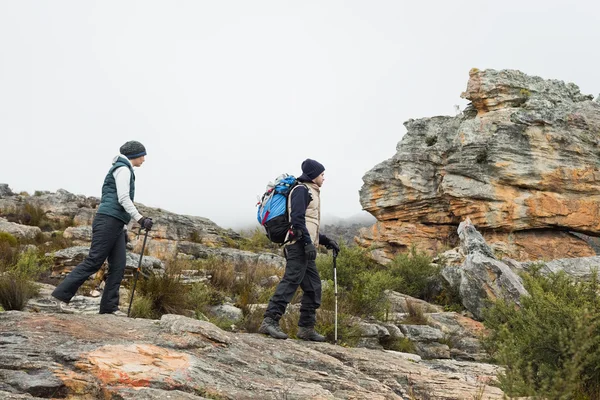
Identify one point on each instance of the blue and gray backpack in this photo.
(273, 211)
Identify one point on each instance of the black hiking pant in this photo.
(108, 241)
(298, 272)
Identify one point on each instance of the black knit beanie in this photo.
(133, 149)
(311, 169)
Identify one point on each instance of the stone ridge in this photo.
(521, 162)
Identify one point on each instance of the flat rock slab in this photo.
(81, 356)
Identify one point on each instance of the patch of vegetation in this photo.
(416, 275)
(142, 307)
(550, 345)
(257, 241)
(403, 345)
(8, 249)
(416, 315)
(362, 282)
(29, 214)
(17, 280)
(166, 292)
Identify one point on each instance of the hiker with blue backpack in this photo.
(300, 220)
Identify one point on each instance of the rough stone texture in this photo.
(19, 231)
(5, 190)
(169, 228)
(66, 259)
(521, 162)
(80, 233)
(482, 277)
(577, 268)
(104, 356)
(227, 312)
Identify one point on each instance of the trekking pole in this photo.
(137, 271)
(336, 295)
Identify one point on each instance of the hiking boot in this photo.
(309, 334)
(117, 313)
(64, 307)
(271, 327)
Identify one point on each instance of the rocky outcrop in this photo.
(521, 162)
(173, 235)
(79, 211)
(482, 279)
(65, 260)
(19, 231)
(81, 356)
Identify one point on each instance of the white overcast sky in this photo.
(226, 95)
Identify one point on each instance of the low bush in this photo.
(166, 292)
(142, 307)
(550, 345)
(8, 249)
(362, 282)
(418, 277)
(32, 215)
(257, 240)
(17, 280)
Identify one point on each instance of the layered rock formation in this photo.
(521, 162)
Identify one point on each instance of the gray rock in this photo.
(577, 268)
(72, 256)
(525, 152)
(19, 231)
(393, 330)
(421, 333)
(227, 312)
(115, 355)
(5, 190)
(482, 278)
(81, 233)
(37, 382)
(228, 254)
(432, 350)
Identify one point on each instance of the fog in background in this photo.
(228, 95)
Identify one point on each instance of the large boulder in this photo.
(482, 278)
(521, 161)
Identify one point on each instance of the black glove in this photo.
(146, 223)
(311, 252)
(332, 245)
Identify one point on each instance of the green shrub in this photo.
(257, 240)
(29, 214)
(16, 283)
(166, 292)
(142, 307)
(348, 331)
(30, 265)
(15, 291)
(416, 314)
(8, 249)
(9, 239)
(551, 344)
(362, 282)
(403, 345)
(418, 276)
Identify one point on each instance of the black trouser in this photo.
(108, 241)
(298, 272)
